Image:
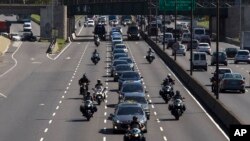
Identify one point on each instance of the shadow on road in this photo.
(77, 120)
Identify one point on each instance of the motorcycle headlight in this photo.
(117, 121)
(136, 135)
(138, 34)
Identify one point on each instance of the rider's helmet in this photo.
(88, 93)
(84, 75)
(98, 81)
(135, 118)
(169, 75)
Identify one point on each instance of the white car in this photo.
(181, 49)
(91, 23)
(27, 26)
(186, 37)
(16, 37)
(204, 47)
(242, 56)
(168, 36)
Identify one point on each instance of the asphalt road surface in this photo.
(42, 97)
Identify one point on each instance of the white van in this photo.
(199, 60)
(198, 33)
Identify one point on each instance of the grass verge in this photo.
(60, 44)
(204, 24)
(36, 18)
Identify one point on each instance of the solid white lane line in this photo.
(218, 127)
(45, 130)
(105, 121)
(12, 56)
(155, 113)
(3, 95)
(104, 138)
(153, 106)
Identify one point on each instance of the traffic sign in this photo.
(182, 5)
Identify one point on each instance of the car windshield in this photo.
(118, 56)
(232, 75)
(243, 53)
(168, 36)
(116, 38)
(130, 75)
(133, 29)
(123, 68)
(120, 46)
(203, 45)
(222, 71)
(130, 111)
(132, 88)
(137, 99)
(186, 35)
(117, 42)
(119, 62)
(231, 49)
(199, 31)
(118, 51)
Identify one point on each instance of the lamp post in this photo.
(175, 33)
(217, 50)
(191, 39)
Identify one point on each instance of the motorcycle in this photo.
(88, 109)
(167, 92)
(99, 94)
(150, 57)
(134, 135)
(177, 108)
(97, 40)
(84, 89)
(95, 58)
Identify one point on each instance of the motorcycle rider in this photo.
(135, 123)
(98, 84)
(88, 97)
(213, 80)
(149, 51)
(168, 80)
(84, 79)
(79, 23)
(178, 96)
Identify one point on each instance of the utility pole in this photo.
(175, 33)
(217, 50)
(191, 39)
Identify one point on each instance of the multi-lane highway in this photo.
(238, 103)
(42, 97)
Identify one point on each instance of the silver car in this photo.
(232, 82)
(124, 113)
(242, 56)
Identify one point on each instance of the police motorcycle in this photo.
(95, 58)
(177, 108)
(88, 108)
(99, 94)
(134, 134)
(150, 57)
(167, 92)
(96, 40)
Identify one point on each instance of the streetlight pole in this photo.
(191, 39)
(175, 33)
(217, 50)
(240, 23)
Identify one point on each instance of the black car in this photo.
(221, 60)
(28, 36)
(100, 31)
(231, 52)
(133, 32)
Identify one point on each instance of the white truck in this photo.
(245, 40)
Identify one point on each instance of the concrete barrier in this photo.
(213, 106)
(4, 45)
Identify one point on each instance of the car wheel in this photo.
(225, 64)
(235, 62)
(115, 131)
(243, 91)
(184, 54)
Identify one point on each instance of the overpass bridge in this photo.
(69, 8)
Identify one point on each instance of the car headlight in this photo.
(138, 34)
(117, 121)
